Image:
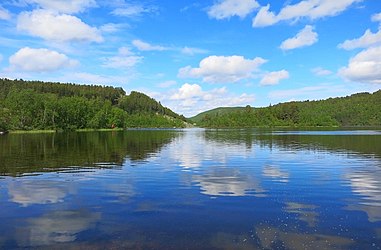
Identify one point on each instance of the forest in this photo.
(362, 109)
(36, 105)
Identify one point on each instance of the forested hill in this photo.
(362, 109)
(26, 105)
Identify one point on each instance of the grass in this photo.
(54, 131)
(31, 131)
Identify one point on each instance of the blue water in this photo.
(192, 189)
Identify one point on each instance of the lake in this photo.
(191, 189)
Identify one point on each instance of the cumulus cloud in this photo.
(57, 27)
(319, 71)
(144, 46)
(188, 91)
(305, 37)
(223, 69)
(273, 78)
(313, 9)
(39, 60)
(229, 8)
(364, 67)
(4, 14)
(191, 99)
(365, 41)
(65, 6)
(124, 59)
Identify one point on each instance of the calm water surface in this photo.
(191, 189)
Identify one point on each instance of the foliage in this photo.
(31, 105)
(363, 109)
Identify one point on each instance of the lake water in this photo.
(191, 189)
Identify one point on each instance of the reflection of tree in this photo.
(362, 143)
(27, 153)
(56, 227)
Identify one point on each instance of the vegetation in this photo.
(362, 109)
(35, 105)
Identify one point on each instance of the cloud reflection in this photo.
(29, 192)
(275, 173)
(367, 184)
(56, 227)
(305, 212)
(228, 182)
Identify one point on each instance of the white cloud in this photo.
(228, 8)
(57, 27)
(365, 41)
(133, 10)
(364, 67)
(192, 51)
(122, 62)
(65, 6)
(143, 46)
(124, 59)
(274, 77)
(4, 14)
(223, 69)
(305, 37)
(191, 99)
(39, 60)
(112, 27)
(167, 84)
(264, 17)
(376, 17)
(1, 57)
(188, 91)
(312, 9)
(88, 78)
(319, 71)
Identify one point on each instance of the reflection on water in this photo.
(32, 153)
(228, 182)
(199, 189)
(56, 227)
(28, 192)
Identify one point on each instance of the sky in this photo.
(193, 56)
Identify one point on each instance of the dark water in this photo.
(191, 189)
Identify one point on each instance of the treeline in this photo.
(28, 105)
(362, 109)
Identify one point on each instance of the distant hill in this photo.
(362, 109)
(214, 112)
(29, 105)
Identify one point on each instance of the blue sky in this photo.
(197, 55)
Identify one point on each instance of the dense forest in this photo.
(362, 109)
(31, 105)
